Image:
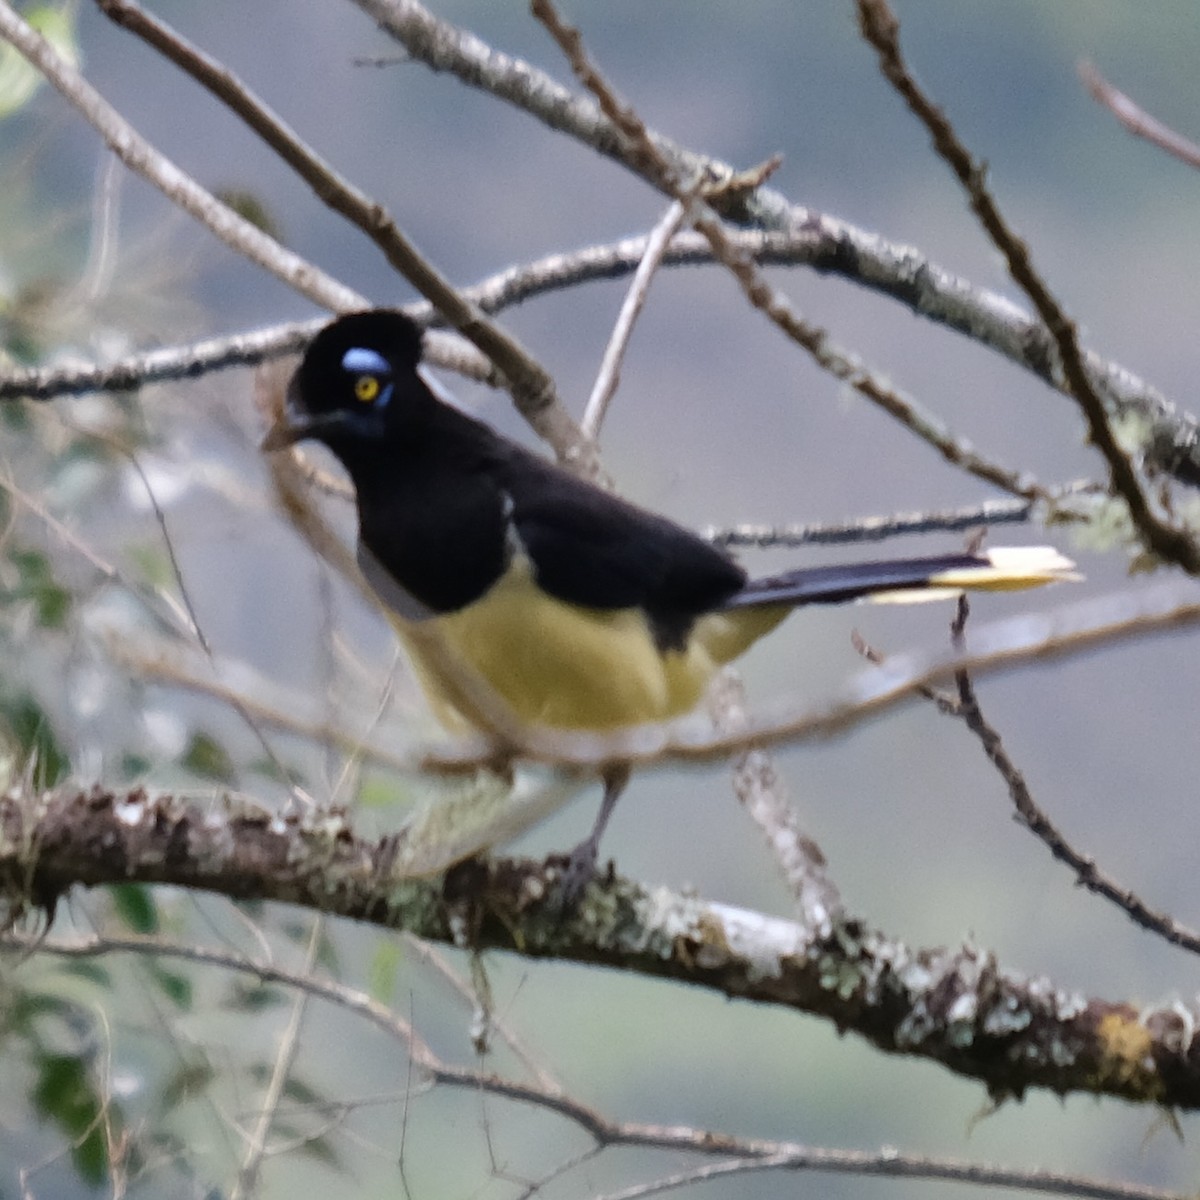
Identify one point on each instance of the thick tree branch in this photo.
(957, 1007)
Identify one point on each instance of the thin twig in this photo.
(285, 1059)
(179, 187)
(159, 603)
(430, 955)
(880, 528)
(283, 774)
(154, 665)
(1034, 818)
(1136, 119)
(964, 706)
(609, 375)
(901, 1166)
(946, 703)
(1170, 542)
(764, 796)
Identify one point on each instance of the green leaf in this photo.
(322, 1149)
(14, 417)
(206, 757)
(28, 1010)
(39, 755)
(176, 987)
(64, 1095)
(301, 1093)
(19, 80)
(250, 206)
(254, 997)
(135, 906)
(134, 766)
(91, 971)
(381, 971)
(300, 932)
(51, 601)
(382, 791)
(154, 564)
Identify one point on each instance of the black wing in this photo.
(593, 549)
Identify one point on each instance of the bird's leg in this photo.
(581, 862)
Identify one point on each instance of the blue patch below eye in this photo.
(360, 358)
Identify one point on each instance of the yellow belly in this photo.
(562, 666)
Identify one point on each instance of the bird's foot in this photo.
(575, 871)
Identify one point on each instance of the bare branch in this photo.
(732, 1153)
(1136, 119)
(285, 1059)
(462, 989)
(1169, 541)
(158, 601)
(965, 706)
(691, 193)
(880, 528)
(764, 795)
(158, 366)
(532, 387)
(821, 242)
(1034, 818)
(887, 1165)
(1173, 441)
(609, 375)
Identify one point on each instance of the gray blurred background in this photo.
(718, 420)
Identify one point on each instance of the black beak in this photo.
(286, 431)
(294, 425)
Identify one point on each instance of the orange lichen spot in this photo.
(1126, 1044)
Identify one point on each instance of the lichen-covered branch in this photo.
(955, 1006)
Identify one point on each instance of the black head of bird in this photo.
(358, 381)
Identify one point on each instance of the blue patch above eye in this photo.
(359, 359)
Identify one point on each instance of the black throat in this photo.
(429, 510)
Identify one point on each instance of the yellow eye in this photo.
(366, 388)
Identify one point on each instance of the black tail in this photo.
(909, 579)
